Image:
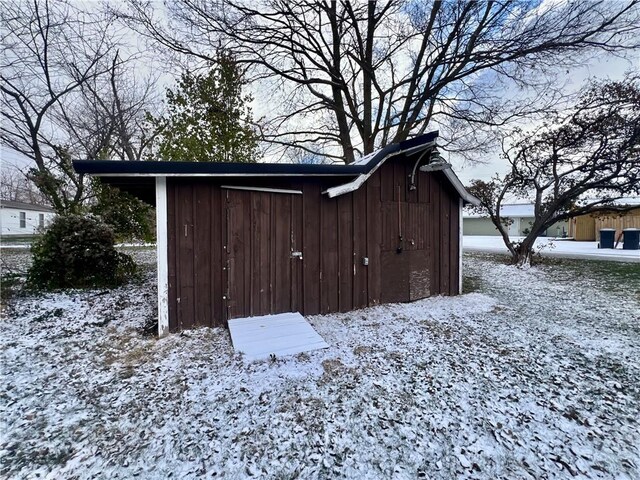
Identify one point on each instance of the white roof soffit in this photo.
(457, 184)
(360, 179)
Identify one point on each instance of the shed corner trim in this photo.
(162, 251)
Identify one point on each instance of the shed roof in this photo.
(528, 209)
(25, 206)
(508, 210)
(358, 171)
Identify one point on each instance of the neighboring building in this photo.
(238, 240)
(586, 228)
(522, 215)
(19, 219)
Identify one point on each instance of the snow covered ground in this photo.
(534, 374)
(553, 248)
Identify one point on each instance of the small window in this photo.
(41, 220)
(23, 219)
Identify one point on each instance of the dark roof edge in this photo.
(361, 172)
(156, 168)
(113, 168)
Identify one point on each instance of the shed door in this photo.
(263, 252)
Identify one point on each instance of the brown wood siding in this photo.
(184, 233)
(454, 246)
(359, 214)
(374, 188)
(172, 255)
(345, 252)
(231, 252)
(202, 254)
(217, 257)
(311, 263)
(445, 246)
(297, 245)
(434, 226)
(329, 268)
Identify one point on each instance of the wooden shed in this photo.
(237, 240)
(586, 228)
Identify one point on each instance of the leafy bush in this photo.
(130, 218)
(78, 252)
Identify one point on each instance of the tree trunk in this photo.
(335, 72)
(523, 252)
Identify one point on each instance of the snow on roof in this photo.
(24, 206)
(366, 159)
(527, 209)
(508, 210)
(517, 210)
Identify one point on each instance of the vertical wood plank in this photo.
(247, 252)
(272, 252)
(226, 252)
(345, 252)
(374, 236)
(297, 245)
(202, 254)
(261, 301)
(360, 247)
(454, 246)
(423, 186)
(435, 223)
(254, 264)
(282, 251)
(237, 253)
(173, 254)
(218, 254)
(445, 246)
(389, 226)
(329, 245)
(311, 249)
(386, 185)
(399, 179)
(184, 196)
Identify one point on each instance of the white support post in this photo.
(460, 248)
(162, 251)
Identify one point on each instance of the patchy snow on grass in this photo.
(534, 374)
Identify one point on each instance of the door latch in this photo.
(296, 255)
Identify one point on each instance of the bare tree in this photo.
(582, 164)
(15, 186)
(50, 49)
(68, 93)
(354, 76)
(108, 117)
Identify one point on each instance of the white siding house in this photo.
(23, 219)
(522, 216)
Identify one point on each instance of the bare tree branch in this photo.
(387, 70)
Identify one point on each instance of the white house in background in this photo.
(23, 219)
(522, 215)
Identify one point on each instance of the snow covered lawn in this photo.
(532, 375)
(550, 247)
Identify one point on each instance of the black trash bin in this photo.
(607, 237)
(631, 239)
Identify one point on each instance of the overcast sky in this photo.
(603, 67)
